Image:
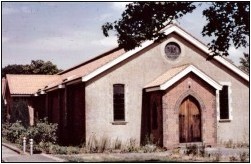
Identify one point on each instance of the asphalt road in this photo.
(9, 155)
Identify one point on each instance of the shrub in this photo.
(202, 151)
(15, 132)
(43, 134)
(148, 139)
(243, 156)
(94, 145)
(232, 159)
(229, 144)
(117, 144)
(131, 147)
(43, 131)
(217, 157)
(149, 148)
(5, 129)
(103, 145)
(191, 149)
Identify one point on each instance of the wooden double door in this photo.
(189, 121)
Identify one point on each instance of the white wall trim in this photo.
(169, 29)
(152, 89)
(218, 104)
(183, 73)
(205, 49)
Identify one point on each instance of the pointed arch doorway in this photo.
(189, 120)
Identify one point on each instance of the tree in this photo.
(226, 21)
(36, 67)
(143, 20)
(244, 61)
(13, 69)
(41, 67)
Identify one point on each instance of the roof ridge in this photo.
(90, 60)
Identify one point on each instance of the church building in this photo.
(167, 90)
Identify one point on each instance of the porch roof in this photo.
(175, 74)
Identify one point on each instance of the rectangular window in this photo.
(224, 103)
(118, 102)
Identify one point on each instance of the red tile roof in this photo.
(86, 67)
(28, 84)
(166, 76)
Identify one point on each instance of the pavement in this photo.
(13, 154)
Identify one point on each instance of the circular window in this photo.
(172, 50)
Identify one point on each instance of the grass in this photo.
(108, 158)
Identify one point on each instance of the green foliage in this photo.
(41, 67)
(149, 148)
(232, 159)
(143, 20)
(43, 134)
(36, 67)
(117, 144)
(94, 145)
(131, 146)
(195, 150)
(243, 156)
(14, 132)
(148, 139)
(227, 22)
(13, 69)
(244, 61)
(217, 157)
(57, 149)
(192, 149)
(229, 144)
(19, 111)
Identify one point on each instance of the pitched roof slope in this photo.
(175, 74)
(87, 67)
(166, 76)
(172, 28)
(91, 66)
(28, 84)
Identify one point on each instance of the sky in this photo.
(68, 33)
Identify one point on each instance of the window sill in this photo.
(225, 120)
(119, 123)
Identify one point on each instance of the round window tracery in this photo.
(172, 51)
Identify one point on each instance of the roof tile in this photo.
(28, 84)
(166, 76)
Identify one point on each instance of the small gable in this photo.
(175, 74)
